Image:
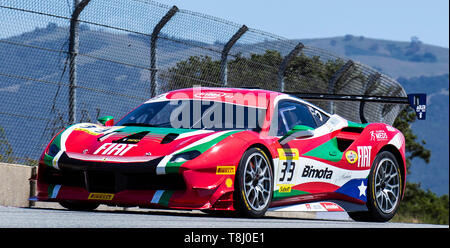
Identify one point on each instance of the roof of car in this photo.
(242, 96)
(243, 91)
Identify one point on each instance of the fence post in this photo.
(285, 63)
(335, 78)
(153, 39)
(73, 51)
(226, 49)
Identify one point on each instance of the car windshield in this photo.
(195, 114)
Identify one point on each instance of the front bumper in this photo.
(134, 184)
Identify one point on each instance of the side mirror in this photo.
(106, 120)
(299, 131)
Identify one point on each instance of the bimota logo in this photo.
(310, 172)
(114, 149)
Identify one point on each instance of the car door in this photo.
(298, 172)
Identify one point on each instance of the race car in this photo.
(241, 150)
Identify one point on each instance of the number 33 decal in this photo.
(287, 171)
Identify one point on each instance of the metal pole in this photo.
(335, 78)
(73, 51)
(153, 39)
(285, 63)
(226, 50)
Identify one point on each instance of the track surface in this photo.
(11, 217)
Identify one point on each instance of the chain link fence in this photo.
(67, 61)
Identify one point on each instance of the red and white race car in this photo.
(244, 150)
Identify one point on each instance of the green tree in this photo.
(418, 205)
(197, 70)
(423, 206)
(258, 70)
(413, 147)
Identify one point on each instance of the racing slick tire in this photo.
(384, 190)
(253, 184)
(79, 206)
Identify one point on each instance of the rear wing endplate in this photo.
(419, 103)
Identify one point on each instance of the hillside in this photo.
(394, 58)
(417, 66)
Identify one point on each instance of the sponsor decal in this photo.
(288, 159)
(288, 154)
(310, 172)
(132, 139)
(331, 207)
(378, 135)
(87, 131)
(364, 153)
(313, 206)
(115, 149)
(101, 196)
(225, 170)
(212, 95)
(93, 129)
(351, 156)
(284, 188)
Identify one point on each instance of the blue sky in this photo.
(397, 20)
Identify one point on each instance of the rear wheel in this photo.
(79, 206)
(384, 190)
(253, 184)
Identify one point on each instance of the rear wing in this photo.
(417, 101)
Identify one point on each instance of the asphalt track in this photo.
(12, 217)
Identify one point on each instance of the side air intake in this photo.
(347, 136)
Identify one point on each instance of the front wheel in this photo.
(384, 190)
(253, 184)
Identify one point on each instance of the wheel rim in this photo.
(387, 185)
(257, 181)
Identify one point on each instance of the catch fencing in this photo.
(63, 62)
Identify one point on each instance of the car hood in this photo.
(87, 141)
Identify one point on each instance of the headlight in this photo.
(185, 156)
(53, 150)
